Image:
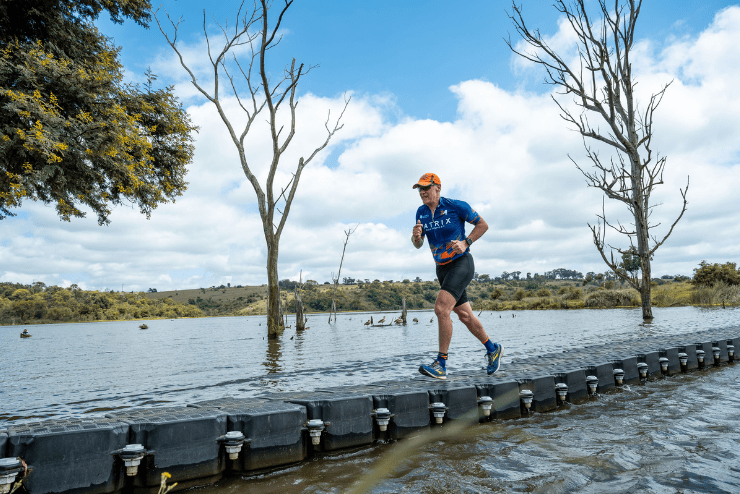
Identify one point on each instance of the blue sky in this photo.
(412, 50)
(434, 88)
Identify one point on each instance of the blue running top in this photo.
(447, 225)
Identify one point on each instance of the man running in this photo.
(442, 222)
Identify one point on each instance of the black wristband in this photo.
(468, 241)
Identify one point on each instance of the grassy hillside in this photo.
(511, 295)
(38, 303)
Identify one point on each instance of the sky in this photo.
(434, 88)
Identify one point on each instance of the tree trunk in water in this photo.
(403, 311)
(645, 290)
(333, 311)
(642, 229)
(274, 316)
(300, 322)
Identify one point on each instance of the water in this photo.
(678, 434)
(675, 435)
(70, 370)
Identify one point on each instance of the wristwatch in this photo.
(468, 241)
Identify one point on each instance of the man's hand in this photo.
(458, 246)
(416, 234)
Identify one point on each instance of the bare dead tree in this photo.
(347, 233)
(602, 85)
(253, 30)
(300, 319)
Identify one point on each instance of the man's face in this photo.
(430, 194)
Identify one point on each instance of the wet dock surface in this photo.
(73, 370)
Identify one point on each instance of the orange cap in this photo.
(428, 179)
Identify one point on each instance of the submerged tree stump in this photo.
(300, 320)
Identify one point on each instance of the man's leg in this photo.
(465, 313)
(494, 350)
(443, 309)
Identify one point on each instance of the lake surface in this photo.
(678, 434)
(68, 370)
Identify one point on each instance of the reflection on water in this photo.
(272, 357)
(67, 370)
(678, 434)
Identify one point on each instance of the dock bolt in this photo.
(561, 389)
(315, 428)
(731, 352)
(716, 352)
(700, 357)
(132, 454)
(383, 417)
(642, 368)
(438, 410)
(663, 364)
(684, 359)
(592, 382)
(233, 442)
(486, 403)
(9, 469)
(618, 376)
(526, 396)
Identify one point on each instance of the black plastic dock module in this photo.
(183, 442)
(274, 431)
(605, 374)
(735, 342)
(70, 455)
(674, 364)
(722, 345)
(691, 361)
(460, 399)
(505, 396)
(629, 366)
(3, 442)
(347, 417)
(652, 359)
(706, 347)
(543, 387)
(409, 409)
(575, 379)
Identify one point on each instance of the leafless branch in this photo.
(253, 30)
(601, 83)
(347, 234)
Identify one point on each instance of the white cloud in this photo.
(506, 153)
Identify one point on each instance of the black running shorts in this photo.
(455, 276)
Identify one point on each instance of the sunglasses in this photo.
(425, 188)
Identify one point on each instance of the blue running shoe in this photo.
(434, 370)
(494, 359)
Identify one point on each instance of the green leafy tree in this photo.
(711, 274)
(631, 262)
(72, 133)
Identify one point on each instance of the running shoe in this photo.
(434, 370)
(494, 358)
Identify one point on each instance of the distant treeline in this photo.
(38, 303)
(712, 284)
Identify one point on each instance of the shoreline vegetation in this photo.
(712, 285)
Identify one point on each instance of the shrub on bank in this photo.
(712, 274)
(612, 298)
(570, 293)
(719, 293)
(38, 303)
